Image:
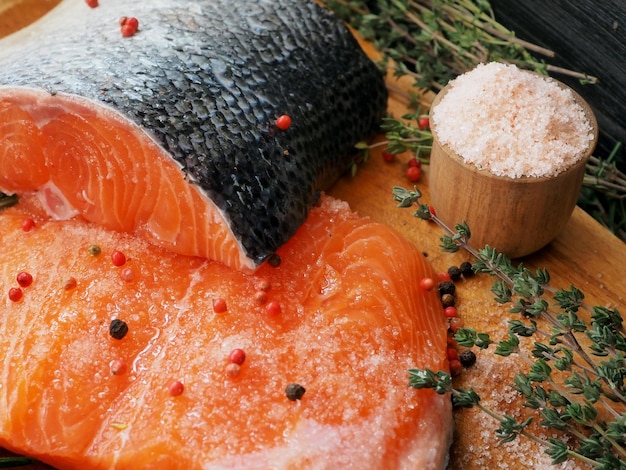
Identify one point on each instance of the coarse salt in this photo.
(511, 122)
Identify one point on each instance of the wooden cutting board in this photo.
(585, 255)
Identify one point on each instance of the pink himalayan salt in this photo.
(511, 122)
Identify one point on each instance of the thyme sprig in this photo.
(404, 135)
(435, 40)
(579, 390)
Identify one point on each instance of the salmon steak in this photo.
(175, 132)
(303, 365)
(177, 291)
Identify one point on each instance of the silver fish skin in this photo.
(206, 79)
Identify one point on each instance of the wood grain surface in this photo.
(584, 254)
(16, 14)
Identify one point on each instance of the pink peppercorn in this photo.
(28, 225)
(127, 274)
(273, 308)
(24, 279)
(450, 312)
(427, 283)
(233, 370)
(237, 356)
(283, 122)
(219, 306)
(260, 296)
(176, 388)
(15, 294)
(118, 258)
(118, 367)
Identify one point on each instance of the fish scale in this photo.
(206, 80)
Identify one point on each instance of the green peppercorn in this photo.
(446, 287)
(455, 273)
(466, 269)
(448, 300)
(94, 250)
(467, 358)
(118, 328)
(294, 391)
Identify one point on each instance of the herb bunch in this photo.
(604, 192)
(575, 380)
(434, 41)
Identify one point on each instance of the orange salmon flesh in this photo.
(342, 315)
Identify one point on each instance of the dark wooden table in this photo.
(587, 36)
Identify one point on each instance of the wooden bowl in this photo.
(517, 216)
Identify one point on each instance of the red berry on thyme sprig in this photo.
(388, 156)
(413, 173)
(414, 162)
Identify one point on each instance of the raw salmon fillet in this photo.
(352, 321)
(171, 133)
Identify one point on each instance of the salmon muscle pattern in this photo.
(118, 372)
(210, 131)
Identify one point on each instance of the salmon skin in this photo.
(200, 85)
(343, 317)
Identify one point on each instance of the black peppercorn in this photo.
(455, 273)
(448, 300)
(446, 287)
(274, 260)
(118, 329)
(294, 391)
(467, 358)
(466, 269)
